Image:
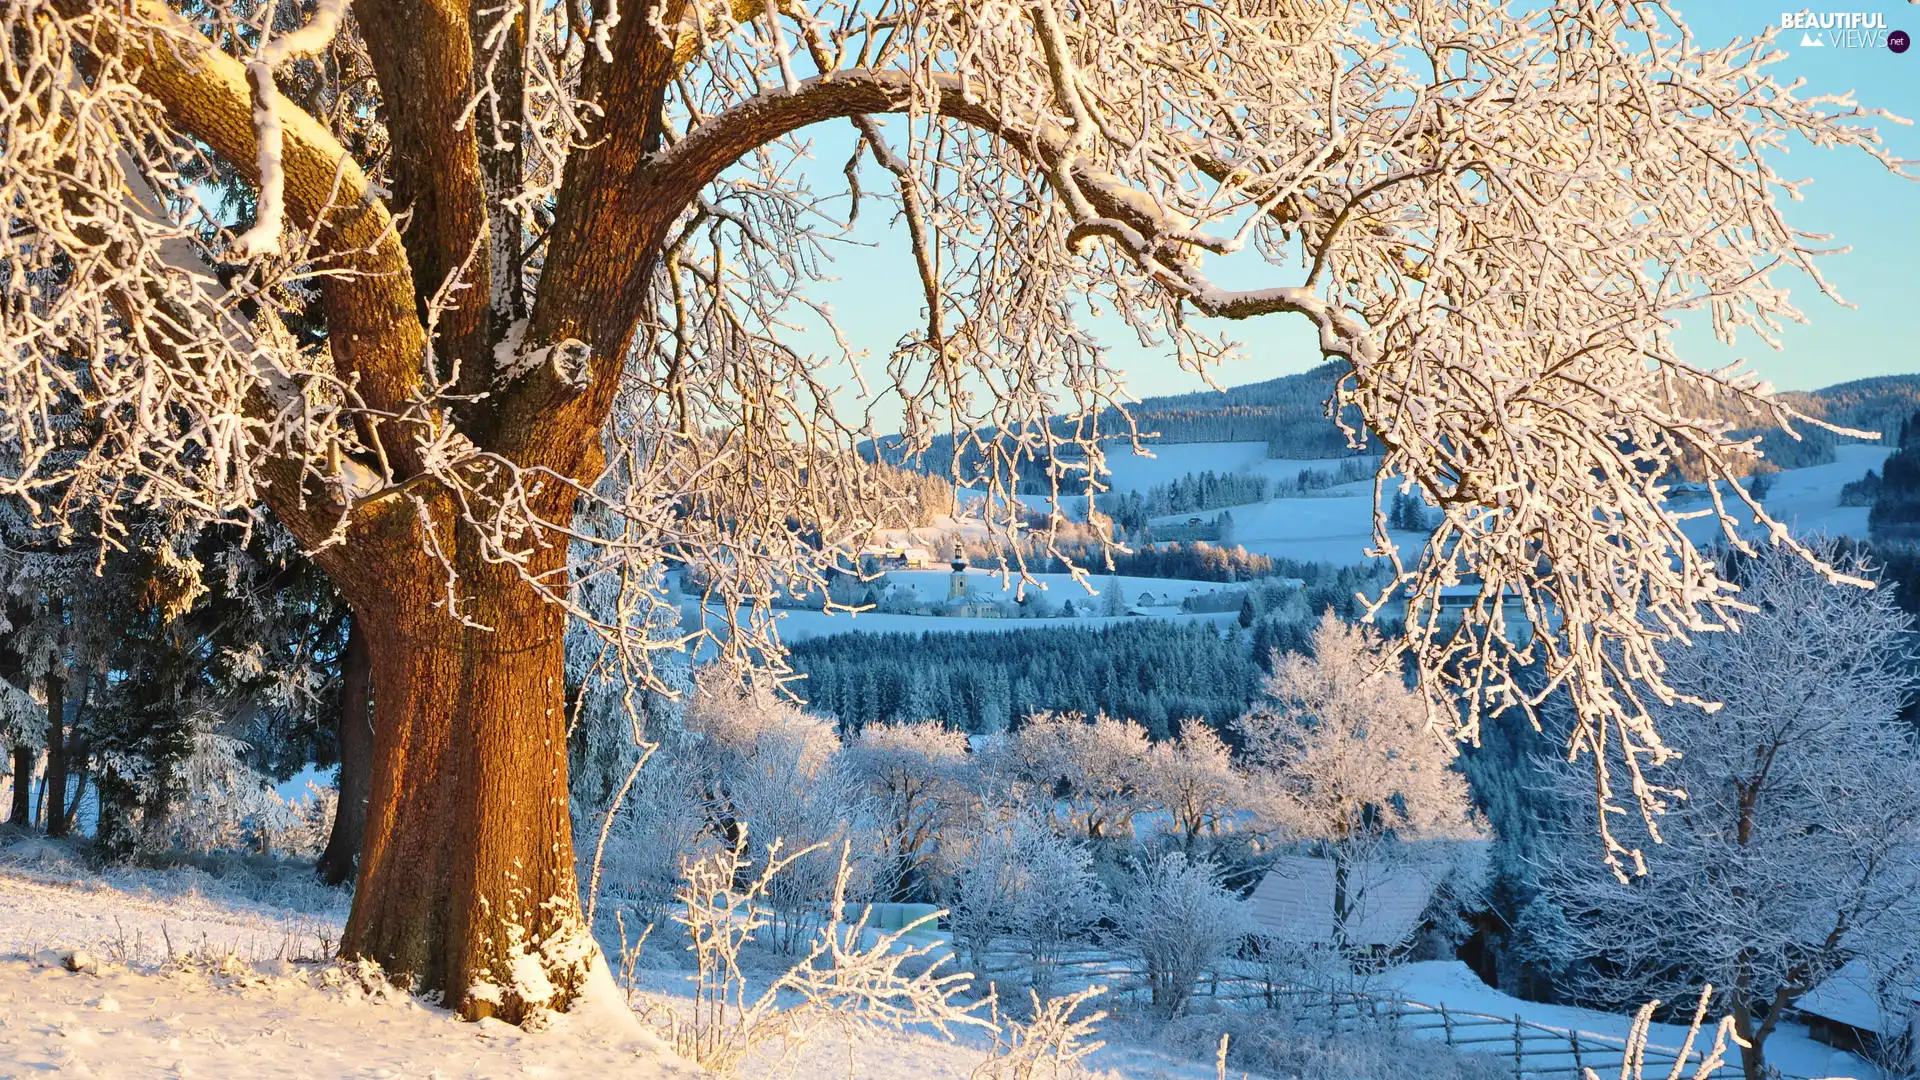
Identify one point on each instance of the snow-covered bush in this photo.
(1049, 1046)
(1096, 767)
(1017, 886)
(1177, 920)
(914, 777)
(843, 980)
(659, 828)
(769, 774)
(1192, 780)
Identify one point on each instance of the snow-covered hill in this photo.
(1808, 500)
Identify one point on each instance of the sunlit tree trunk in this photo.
(468, 859)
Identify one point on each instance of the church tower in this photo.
(957, 584)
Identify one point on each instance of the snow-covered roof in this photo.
(1859, 998)
(1294, 902)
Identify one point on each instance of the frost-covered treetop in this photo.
(576, 283)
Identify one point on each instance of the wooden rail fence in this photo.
(1533, 1051)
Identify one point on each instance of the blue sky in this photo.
(1852, 197)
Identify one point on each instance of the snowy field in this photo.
(1131, 471)
(988, 584)
(1807, 500)
(1336, 527)
(1163, 463)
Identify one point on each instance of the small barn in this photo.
(1860, 1010)
(1388, 901)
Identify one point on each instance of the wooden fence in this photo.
(1533, 1051)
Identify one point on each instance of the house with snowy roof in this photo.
(1861, 1010)
(1388, 900)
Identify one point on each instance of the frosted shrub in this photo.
(1191, 779)
(1051, 1046)
(1097, 767)
(223, 804)
(914, 777)
(846, 979)
(1019, 887)
(766, 769)
(809, 810)
(1177, 920)
(659, 828)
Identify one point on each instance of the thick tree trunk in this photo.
(355, 737)
(468, 867)
(21, 813)
(56, 812)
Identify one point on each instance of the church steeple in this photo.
(957, 584)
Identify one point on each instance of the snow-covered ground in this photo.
(195, 977)
(1335, 527)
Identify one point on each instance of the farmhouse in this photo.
(1388, 901)
(1860, 1010)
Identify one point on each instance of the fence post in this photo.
(1446, 1021)
(1579, 1067)
(1517, 1063)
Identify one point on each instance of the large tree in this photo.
(552, 251)
(1344, 760)
(1794, 848)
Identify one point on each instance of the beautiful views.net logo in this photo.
(1843, 29)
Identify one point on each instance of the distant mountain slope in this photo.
(1876, 404)
(1288, 414)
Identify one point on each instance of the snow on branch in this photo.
(270, 211)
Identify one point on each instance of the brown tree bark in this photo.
(468, 857)
(21, 813)
(355, 737)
